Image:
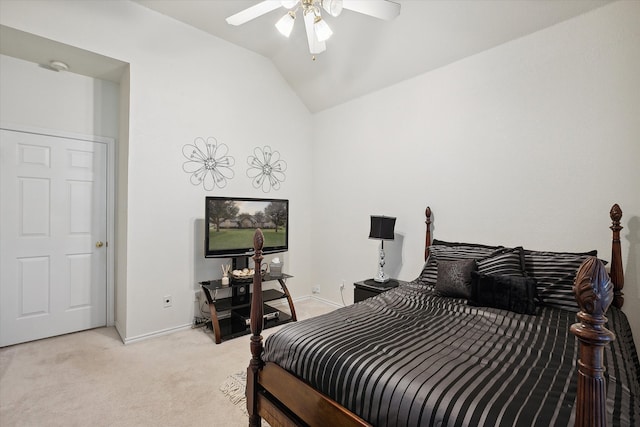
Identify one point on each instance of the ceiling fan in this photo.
(317, 29)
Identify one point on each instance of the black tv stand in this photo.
(239, 306)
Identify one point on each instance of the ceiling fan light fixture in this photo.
(333, 7)
(285, 24)
(322, 30)
(311, 13)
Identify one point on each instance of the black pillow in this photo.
(513, 293)
(454, 278)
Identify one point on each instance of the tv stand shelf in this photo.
(239, 306)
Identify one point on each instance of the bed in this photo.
(425, 355)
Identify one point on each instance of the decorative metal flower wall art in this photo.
(208, 163)
(266, 169)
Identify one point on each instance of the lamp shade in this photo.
(382, 227)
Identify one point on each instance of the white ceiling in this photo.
(40, 50)
(363, 55)
(366, 54)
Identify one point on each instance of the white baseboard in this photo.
(156, 334)
(167, 331)
(326, 301)
(283, 302)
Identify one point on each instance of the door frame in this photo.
(111, 168)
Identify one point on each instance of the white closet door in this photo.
(53, 225)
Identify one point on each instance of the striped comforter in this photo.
(410, 358)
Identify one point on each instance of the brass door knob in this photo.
(99, 244)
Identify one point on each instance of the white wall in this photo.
(529, 144)
(34, 96)
(121, 205)
(183, 84)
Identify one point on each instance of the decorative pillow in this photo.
(513, 293)
(454, 278)
(554, 273)
(505, 262)
(445, 252)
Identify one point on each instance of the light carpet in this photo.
(91, 378)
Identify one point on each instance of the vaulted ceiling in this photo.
(366, 54)
(363, 55)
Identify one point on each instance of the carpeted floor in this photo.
(234, 387)
(91, 379)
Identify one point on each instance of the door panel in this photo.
(33, 286)
(53, 200)
(33, 204)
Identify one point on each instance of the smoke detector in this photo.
(58, 66)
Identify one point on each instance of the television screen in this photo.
(230, 223)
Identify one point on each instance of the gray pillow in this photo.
(447, 252)
(505, 262)
(454, 278)
(554, 273)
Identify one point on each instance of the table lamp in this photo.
(382, 228)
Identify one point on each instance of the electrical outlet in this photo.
(196, 296)
(342, 285)
(315, 289)
(168, 301)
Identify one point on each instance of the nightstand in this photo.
(370, 288)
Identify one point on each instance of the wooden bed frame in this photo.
(284, 400)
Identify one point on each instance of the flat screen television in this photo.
(230, 223)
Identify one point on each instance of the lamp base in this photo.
(381, 279)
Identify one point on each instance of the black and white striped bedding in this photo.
(410, 358)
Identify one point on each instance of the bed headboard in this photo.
(616, 272)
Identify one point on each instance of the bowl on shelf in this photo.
(243, 276)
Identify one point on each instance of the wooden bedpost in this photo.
(617, 274)
(594, 292)
(427, 242)
(256, 362)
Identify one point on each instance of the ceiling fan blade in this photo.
(253, 12)
(314, 45)
(380, 9)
